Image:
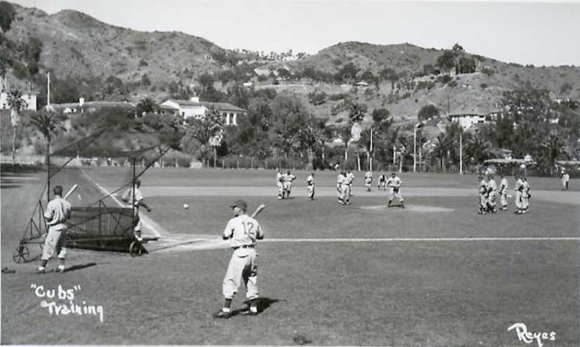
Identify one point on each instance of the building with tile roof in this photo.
(196, 108)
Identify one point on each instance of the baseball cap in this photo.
(241, 204)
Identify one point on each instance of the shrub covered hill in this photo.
(98, 61)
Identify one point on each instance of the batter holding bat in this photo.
(57, 213)
(242, 231)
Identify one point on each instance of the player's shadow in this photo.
(79, 267)
(263, 304)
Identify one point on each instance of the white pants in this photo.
(55, 243)
(310, 191)
(393, 194)
(525, 201)
(343, 192)
(288, 188)
(519, 200)
(368, 183)
(491, 200)
(483, 201)
(243, 266)
(280, 188)
(503, 199)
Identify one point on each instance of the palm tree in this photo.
(205, 128)
(47, 124)
(478, 148)
(441, 149)
(16, 103)
(551, 148)
(146, 105)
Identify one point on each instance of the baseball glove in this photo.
(396, 189)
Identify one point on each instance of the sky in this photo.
(545, 33)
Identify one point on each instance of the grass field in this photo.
(434, 274)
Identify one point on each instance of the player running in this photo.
(394, 183)
(310, 186)
(242, 231)
(368, 180)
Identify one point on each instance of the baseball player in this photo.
(525, 195)
(242, 231)
(519, 188)
(394, 183)
(56, 214)
(382, 182)
(310, 186)
(503, 187)
(368, 180)
(482, 189)
(134, 197)
(565, 179)
(342, 189)
(350, 179)
(491, 194)
(280, 184)
(288, 178)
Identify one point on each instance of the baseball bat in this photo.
(258, 210)
(71, 191)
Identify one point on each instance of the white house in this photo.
(467, 120)
(196, 108)
(28, 97)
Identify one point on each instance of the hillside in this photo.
(75, 44)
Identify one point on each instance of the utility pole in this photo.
(371, 152)
(461, 151)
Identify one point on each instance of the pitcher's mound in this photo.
(410, 208)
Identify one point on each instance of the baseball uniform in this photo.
(243, 231)
(342, 189)
(280, 184)
(394, 183)
(310, 186)
(382, 182)
(134, 195)
(288, 178)
(368, 180)
(565, 180)
(350, 179)
(525, 195)
(491, 195)
(503, 187)
(519, 188)
(57, 212)
(482, 189)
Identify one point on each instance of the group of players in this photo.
(489, 192)
(344, 184)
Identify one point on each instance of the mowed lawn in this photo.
(329, 274)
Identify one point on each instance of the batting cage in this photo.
(100, 219)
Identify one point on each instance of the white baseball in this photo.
(185, 206)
